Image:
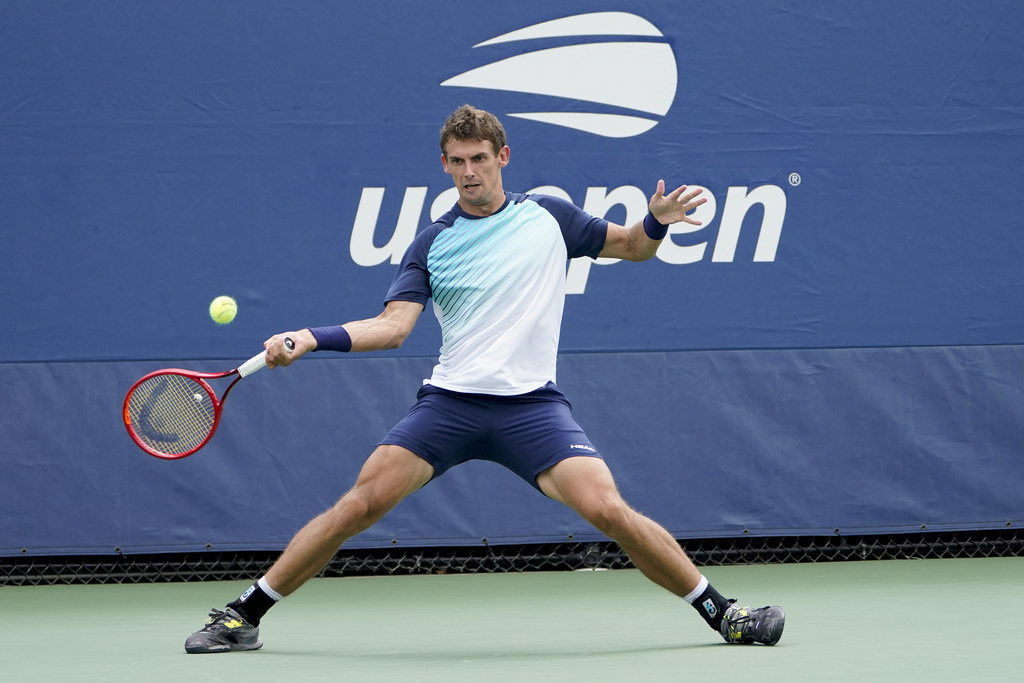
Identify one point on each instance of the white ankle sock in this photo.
(693, 595)
(277, 597)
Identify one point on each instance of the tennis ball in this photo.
(223, 310)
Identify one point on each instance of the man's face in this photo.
(476, 171)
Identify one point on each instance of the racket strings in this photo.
(172, 414)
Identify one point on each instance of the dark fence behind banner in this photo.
(838, 349)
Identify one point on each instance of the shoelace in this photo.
(216, 616)
(741, 620)
(742, 623)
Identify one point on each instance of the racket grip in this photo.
(259, 361)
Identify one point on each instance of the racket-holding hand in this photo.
(286, 348)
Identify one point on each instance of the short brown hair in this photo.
(469, 123)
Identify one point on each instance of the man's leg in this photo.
(390, 474)
(586, 485)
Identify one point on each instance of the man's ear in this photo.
(503, 156)
(444, 163)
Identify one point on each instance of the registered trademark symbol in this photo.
(794, 179)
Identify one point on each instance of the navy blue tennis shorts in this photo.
(527, 433)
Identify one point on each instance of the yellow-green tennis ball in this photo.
(223, 310)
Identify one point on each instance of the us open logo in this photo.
(637, 75)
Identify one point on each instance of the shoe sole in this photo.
(233, 647)
(775, 632)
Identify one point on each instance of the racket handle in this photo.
(259, 361)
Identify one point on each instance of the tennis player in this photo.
(494, 267)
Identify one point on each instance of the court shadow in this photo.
(481, 654)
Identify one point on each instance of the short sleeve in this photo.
(412, 281)
(583, 233)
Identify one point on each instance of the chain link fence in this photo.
(27, 570)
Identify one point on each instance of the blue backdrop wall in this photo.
(842, 340)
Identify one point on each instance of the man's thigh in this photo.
(579, 482)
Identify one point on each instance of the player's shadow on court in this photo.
(488, 654)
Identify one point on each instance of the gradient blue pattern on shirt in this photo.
(476, 265)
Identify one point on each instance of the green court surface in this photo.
(907, 620)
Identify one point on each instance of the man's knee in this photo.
(357, 510)
(610, 514)
(389, 475)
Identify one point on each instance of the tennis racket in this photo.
(173, 413)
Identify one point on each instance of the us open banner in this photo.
(839, 343)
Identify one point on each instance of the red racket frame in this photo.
(200, 378)
(244, 370)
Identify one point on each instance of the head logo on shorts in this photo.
(622, 61)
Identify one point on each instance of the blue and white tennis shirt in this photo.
(498, 287)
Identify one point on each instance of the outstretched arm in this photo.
(635, 243)
(387, 331)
